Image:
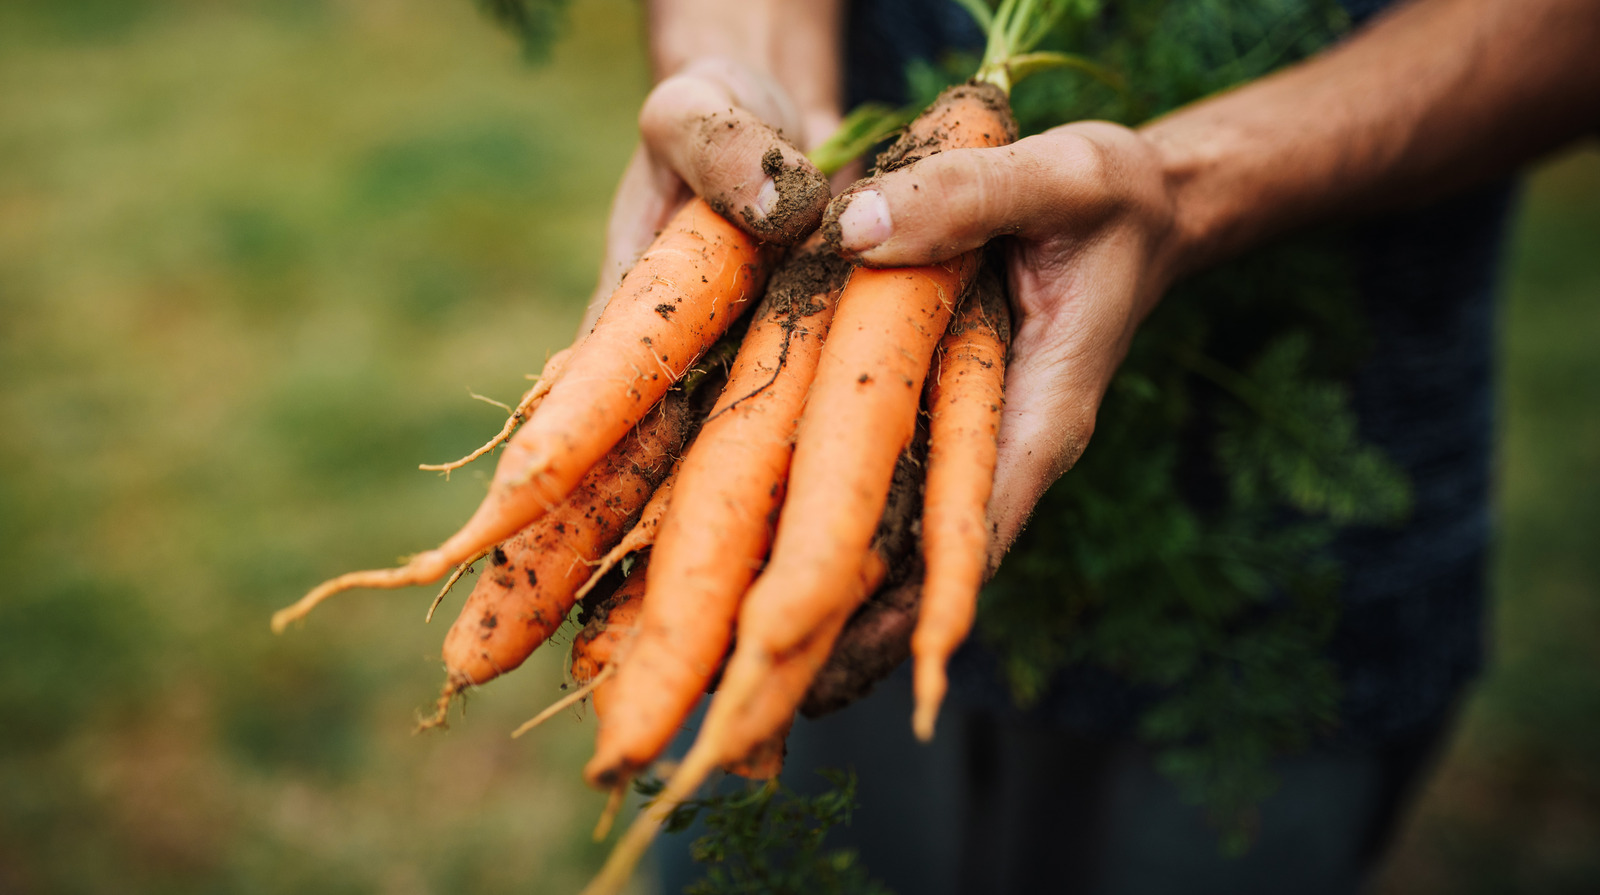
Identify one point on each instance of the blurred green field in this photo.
(252, 258)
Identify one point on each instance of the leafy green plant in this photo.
(771, 840)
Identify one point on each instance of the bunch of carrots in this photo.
(768, 433)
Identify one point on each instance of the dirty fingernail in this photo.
(864, 223)
(767, 198)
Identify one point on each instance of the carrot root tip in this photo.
(608, 817)
(421, 569)
(572, 698)
(440, 719)
(930, 685)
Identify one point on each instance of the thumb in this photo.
(960, 199)
(700, 123)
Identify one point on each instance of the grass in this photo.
(252, 257)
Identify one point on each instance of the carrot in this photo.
(965, 396)
(863, 405)
(860, 415)
(639, 537)
(878, 637)
(609, 635)
(607, 631)
(674, 304)
(716, 531)
(726, 737)
(527, 590)
(530, 400)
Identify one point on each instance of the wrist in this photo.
(1204, 223)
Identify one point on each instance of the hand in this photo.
(1091, 223)
(711, 130)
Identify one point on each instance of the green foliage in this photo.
(771, 840)
(535, 23)
(1187, 552)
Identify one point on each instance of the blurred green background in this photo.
(252, 258)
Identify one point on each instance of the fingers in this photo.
(960, 199)
(708, 124)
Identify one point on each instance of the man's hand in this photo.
(719, 130)
(1089, 213)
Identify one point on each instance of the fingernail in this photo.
(767, 198)
(864, 223)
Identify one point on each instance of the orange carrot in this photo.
(639, 537)
(717, 529)
(965, 394)
(863, 405)
(677, 300)
(609, 635)
(860, 415)
(608, 630)
(527, 590)
(727, 736)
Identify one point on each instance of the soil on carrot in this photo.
(796, 285)
(930, 134)
(988, 288)
(793, 293)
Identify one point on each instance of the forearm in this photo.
(795, 43)
(1434, 97)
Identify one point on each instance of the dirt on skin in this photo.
(803, 192)
(941, 126)
(802, 195)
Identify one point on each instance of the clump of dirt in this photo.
(794, 287)
(988, 288)
(832, 236)
(930, 133)
(802, 195)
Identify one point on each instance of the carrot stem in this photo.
(602, 827)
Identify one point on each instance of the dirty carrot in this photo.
(679, 298)
(640, 536)
(717, 530)
(964, 397)
(598, 646)
(528, 587)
